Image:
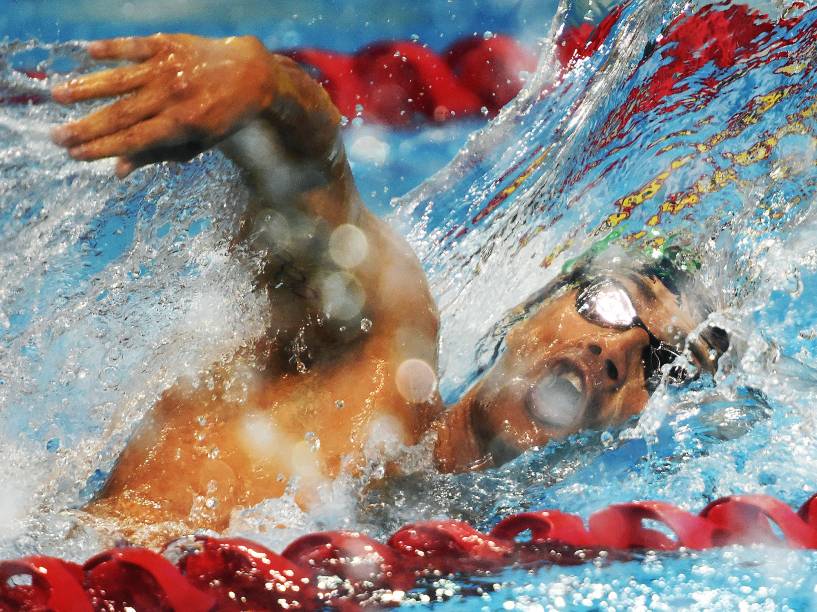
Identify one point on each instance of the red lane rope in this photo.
(344, 569)
(396, 82)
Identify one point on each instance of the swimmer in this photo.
(352, 340)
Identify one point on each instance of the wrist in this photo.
(301, 110)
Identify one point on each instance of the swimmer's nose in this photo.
(610, 359)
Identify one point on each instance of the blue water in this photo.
(109, 292)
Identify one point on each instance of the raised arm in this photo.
(329, 266)
(352, 323)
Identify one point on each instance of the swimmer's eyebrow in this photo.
(643, 286)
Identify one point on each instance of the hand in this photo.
(185, 94)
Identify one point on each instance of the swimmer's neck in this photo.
(456, 446)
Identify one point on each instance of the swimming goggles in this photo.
(605, 302)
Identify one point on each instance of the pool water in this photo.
(110, 291)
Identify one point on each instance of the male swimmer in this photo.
(352, 323)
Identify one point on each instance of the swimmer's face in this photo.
(583, 360)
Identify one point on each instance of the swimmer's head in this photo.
(584, 352)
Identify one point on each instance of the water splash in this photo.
(102, 288)
(110, 292)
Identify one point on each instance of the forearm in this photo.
(292, 149)
(330, 268)
(302, 111)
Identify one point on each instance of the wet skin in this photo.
(352, 347)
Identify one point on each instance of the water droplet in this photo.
(484, 111)
(607, 439)
(487, 35)
(313, 440)
(280, 478)
(52, 445)
(202, 420)
(214, 453)
(415, 37)
(416, 381)
(344, 121)
(339, 404)
(211, 503)
(365, 325)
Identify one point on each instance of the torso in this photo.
(240, 436)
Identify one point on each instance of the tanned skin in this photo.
(351, 326)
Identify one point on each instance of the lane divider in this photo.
(345, 570)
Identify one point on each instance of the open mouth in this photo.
(559, 400)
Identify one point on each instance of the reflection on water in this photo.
(693, 128)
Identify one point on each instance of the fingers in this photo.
(115, 117)
(135, 49)
(103, 84)
(174, 152)
(124, 167)
(158, 131)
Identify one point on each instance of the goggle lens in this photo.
(606, 303)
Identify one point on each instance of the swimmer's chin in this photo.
(458, 448)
